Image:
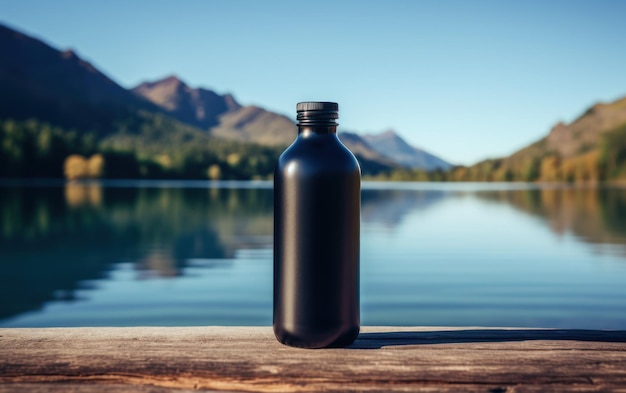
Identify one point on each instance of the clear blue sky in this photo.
(464, 80)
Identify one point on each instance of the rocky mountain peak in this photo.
(388, 133)
(196, 106)
(69, 54)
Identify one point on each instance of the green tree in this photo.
(612, 161)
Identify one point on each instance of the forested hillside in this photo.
(592, 148)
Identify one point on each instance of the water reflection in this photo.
(595, 215)
(57, 241)
(388, 208)
(80, 195)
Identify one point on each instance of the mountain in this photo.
(391, 145)
(54, 104)
(226, 119)
(198, 107)
(359, 146)
(222, 115)
(38, 81)
(585, 132)
(253, 124)
(590, 148)
(371, 161)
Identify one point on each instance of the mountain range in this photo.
(66, 105)
(219, 115)
(224, 117)
(40, 82)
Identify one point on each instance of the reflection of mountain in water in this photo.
(389, 207)
(595, 215)
(54, 240)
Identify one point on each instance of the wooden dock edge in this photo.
(245, 359)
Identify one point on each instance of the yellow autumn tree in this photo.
(79, 167)
(214, 172)
(550, 169)
(95, 166)
(75, 167)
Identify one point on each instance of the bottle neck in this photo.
(305, 130)
(317, 118)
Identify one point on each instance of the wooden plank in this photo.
(383, 359)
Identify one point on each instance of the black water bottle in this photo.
(317, 186)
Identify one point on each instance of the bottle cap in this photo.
(317, 112)
(317, 106)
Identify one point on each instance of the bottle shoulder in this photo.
(323, 153)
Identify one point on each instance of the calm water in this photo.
(171, 253)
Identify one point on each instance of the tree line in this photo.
(158, 148)
(34, 149)
(605, 161)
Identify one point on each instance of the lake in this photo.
(171, 253)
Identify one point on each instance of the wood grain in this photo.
(243, 359)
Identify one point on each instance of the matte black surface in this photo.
(317, 187)
(317, 106)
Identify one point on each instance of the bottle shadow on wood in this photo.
(377, 340)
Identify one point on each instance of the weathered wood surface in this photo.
(242, 359)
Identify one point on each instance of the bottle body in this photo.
(317, 186)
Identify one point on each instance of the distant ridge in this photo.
(391, 145)
(253, 124)
(358, 145)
